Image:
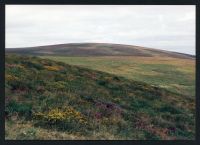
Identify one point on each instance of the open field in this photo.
(101, 100)
(174, 74)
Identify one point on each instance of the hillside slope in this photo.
(174, 74)
(96, 49)
(91, 104)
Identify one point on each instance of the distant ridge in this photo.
(96, 49)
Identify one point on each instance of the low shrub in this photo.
(138, 104)
(33, 65)
(22, 84)
(16, 71)
(170, 108)
(52, 68)
(101, 82)
(151, 136)
(23, 109)
(9, 77)
(59, 86)
(66, 118)
(116, 78)
(108, 109)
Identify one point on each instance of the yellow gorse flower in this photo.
(52, 68)
(60, 115)
(10, 77)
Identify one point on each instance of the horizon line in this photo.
(26, 47)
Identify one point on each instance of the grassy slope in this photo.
(174, 74)
(112, 107)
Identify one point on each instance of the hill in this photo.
(48, 98)
(96, 49)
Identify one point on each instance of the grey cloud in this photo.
(164, 27)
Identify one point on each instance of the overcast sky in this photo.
(163, 27)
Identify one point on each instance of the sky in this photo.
(162, 27)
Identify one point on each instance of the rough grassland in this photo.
(174, 74)
(48, 99)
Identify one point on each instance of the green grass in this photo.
(69, 102)
(176, 75)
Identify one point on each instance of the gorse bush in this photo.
(64, 118)
(11, 78)
(52, 68)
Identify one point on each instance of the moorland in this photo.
(99, 91)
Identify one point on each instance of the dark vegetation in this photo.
(69, 98)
